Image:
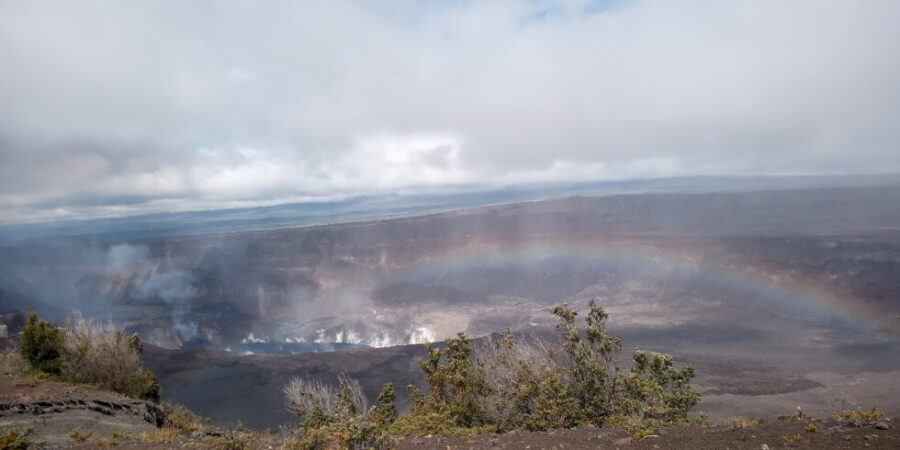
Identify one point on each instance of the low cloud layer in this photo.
(113, 108)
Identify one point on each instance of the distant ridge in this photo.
(362, 208)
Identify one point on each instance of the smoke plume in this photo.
(172, 287)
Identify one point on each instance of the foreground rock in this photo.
(54, 410)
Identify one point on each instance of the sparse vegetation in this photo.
(12, 363)
(531, 384)
(654, 394)
(799, 415)
(507, 384)
(165, 434)
(860, 417)
(526, 384)
(239, 438)
(496, 385)
(106, 443)
(13, 439)
(85, 353)
(105, 356)
(183, 420)
(791, 441)
(315, 401)
(79, 436)
(338, 416)
(457, 385)
(739, 423)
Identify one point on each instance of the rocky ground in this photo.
(54, 410)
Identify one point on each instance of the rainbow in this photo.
(798, 297)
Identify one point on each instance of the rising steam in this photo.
(153, 284)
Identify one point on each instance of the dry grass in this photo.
(79, 436)
(183, 419)
(497, 357)
(12, 363)
(511, 361)
(103, 355)
(13, 439)
(741, 422)
(860, 416)
(160, 435)
(303, 395)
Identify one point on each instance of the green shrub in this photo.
(42, 345)
(142, 385)
(593, 366)
(385, 413)
(456, 384)
(434, 424)
(427, 417)
(349, 432)
(527, 383)
(653, 394)
(553, 406)
(182, 419)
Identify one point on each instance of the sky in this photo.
(111, 108)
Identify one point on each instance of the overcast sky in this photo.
(121, 107)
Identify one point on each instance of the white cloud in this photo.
(119, 108)
(391, 161)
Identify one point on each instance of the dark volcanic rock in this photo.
(54, 420)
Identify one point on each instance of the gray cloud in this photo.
(113, 108)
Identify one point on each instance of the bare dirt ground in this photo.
(29, 389)
(772, 435)
(768, 435)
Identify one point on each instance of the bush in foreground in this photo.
(102, 354)
(42, 345)
(508, 384)
(338, 416)
(83, 352)
(531, 384)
